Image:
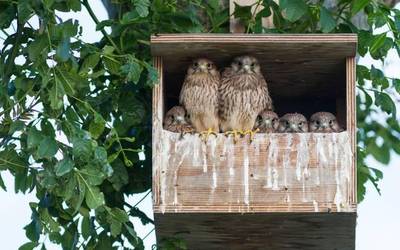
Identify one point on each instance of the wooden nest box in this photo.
(282, 191)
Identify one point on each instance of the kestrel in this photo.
(324, 122)
(243, 94)
(176, 121)
(199, 95)
(293, 123)
(267, 122)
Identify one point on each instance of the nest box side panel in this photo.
(158, 111)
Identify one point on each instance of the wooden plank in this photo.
(158, 114)
(275, 173)
(272, 231)
(352, 118)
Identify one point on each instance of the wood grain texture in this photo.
(307, 172)
(272, 231)
(158, 117)
(352, 119)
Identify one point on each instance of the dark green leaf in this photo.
(294, 9)
(142, 7)
(377, 42)
(47, 148)
(327, 22)
(358, 5)
(94, 198)
(386, 103)
(63, 50)
(132, 70)
(63, 167)
(28, 246)
(396, 84)
(103, 24)
(97, 126)
(86, 227)
(2, 183)
(89, 63)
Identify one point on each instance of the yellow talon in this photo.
(251, 133)
(235, 134)
(205, 134)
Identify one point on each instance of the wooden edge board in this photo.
(295, 208)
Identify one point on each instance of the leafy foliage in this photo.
(74, 115)
(377, 92)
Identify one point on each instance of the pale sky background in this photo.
(378, 216)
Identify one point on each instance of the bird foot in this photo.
(235, 133)
(205, 134)
(187, 130)
(251, 133)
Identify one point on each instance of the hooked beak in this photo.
(247, 68)
(267, 122)
(180, 119)
(324, 125)
(293, 126)
(203, 67)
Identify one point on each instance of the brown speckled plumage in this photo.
(243, 94)
(176, 120)
(324, 122)
(293, 123)
(267, 122)
(199, 95)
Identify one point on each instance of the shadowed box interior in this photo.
(307, 182)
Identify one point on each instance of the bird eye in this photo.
(286, 123)
(209, 65)
(196, 64)
(274, 120)
(317, 122)
(239, 63)
(252, 64)
(300, 123)
(330, 122)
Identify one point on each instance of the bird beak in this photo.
(247, 68)
(324, 125)
(203, 67)
(293, 126)
(180, 118)
(267, 122)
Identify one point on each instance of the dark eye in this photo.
(196, 64)
(209, 65)
(300, 123)
(286, 123)
(259, 119)
(239, 63)
(253, 64)
(317, 122)
(274, 120)
(330, 122)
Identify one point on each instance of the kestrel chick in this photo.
(324, 122)
(199, 95)
(176, 120)
(293, 123)
(267, 122)
(243, 94)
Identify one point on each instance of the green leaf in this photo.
(242, 12)
(38, 48)
(396, 84)
(75, 5)
(82, 148)
(142, 7)
(294, 9)
(358, 5)
(327, 22)
(62, 51)
(104, 23)
(112, 65)
(381, 154)
(47, 148)
(89, 63)
(386, 103)
(64, 167)
(92, 175)
(86, 227)
(56, 95)
(97, 126)
(377, 42)
(94, 198)
(2, 185)
(24, 11)
(28, 246)
(132, 70)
